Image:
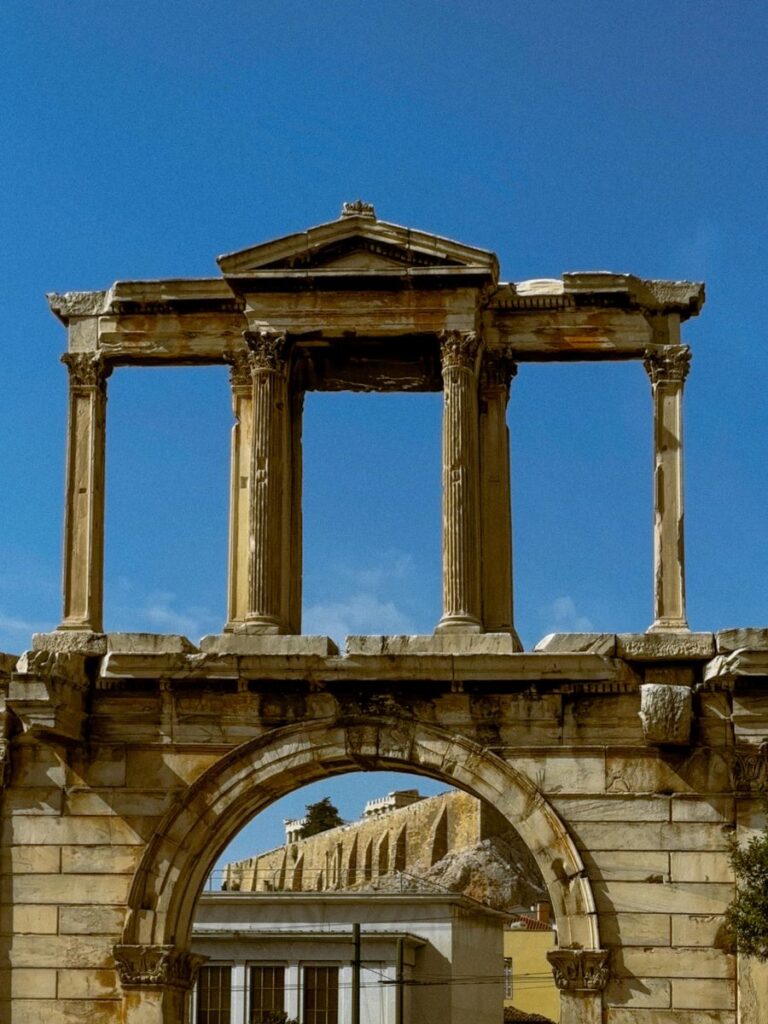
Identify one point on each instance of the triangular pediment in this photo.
(358, 242)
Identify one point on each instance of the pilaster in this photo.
(240, 476)
(462, 597)
(84, 504)
(498, 370)
(667, 366)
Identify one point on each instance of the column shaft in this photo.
(239, 500)
(495, 495)
(667, 368)
(270, 475)
(83, 573)
(295, 556)
(461, 485)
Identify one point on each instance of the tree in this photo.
(747, 916)
(320, 817)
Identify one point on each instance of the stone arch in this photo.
(190, 838)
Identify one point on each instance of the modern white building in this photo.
(424, 957)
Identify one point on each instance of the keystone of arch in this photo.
(214, 808)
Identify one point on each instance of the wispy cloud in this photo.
(161, 611)
(370, 599)
(563, 617)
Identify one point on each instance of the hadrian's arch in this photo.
(625, 761)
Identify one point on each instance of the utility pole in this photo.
(399, 982)
(356, 974)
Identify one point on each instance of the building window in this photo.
(214, 995)
(507, 977)
(267, 992)
(321, 995)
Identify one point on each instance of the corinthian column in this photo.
(498, 369)
(461, 485)
(240, 475)
(83, 581)
(667, 368)
(269, 483)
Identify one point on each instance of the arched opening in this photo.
(182, 852)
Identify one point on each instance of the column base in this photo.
(669, 624)
(459, 624)
(261, 625)
(79, 626)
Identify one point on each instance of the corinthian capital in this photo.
(580, 970)
(458, 349)
(86, 369)
(156, 965)
(668, 365)
(498, 369)
(267, 350)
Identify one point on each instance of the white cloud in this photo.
(359, 613)
(161, 612)
(564, 617)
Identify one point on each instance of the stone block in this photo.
(613, 808)
(39, 982)
(593, 836)
(578, 643)
(753, 638)
(95, 860)
(86, 984)
(23, 860)
(149, 643)
(560, 771)
(35, 765)
(65, 1011)
(753, 990)
(644, 992)
(32, 801)
(663, 897)
(634, 929)
(71, 641)
(674, 963)
(648, 770)
(700, 867)
(122, 802)
(703, 994)
(47, 830)
(713, 808)
(71, 951)
(632, 1015)
(666, 712)
(94, 920)
(267, 645)
(29, 919)
(665, 646)
(105, 766)
(62, 889)
(627, 865)
(699, 930)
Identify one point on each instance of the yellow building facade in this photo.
(528, 982)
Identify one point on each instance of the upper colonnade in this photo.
(358, 304)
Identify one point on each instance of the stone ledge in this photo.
(269, 645)
(578, 643)
(752, 638)
(71, 641)
(431, 643)
(673, 646)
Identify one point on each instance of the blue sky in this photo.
(140, 140)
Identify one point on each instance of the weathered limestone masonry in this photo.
(625, 762)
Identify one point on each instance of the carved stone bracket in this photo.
(749, 768)
(497, 370)
(239, 369)
(156, 965)
(267, 350)
(668, 365)
(580, 970)
(68, 304)
(459, 348)
(47, 694)
(86, 370)
(666, 712)
(358, 208)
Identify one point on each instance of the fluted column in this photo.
(294, 511)
(240, 475)
(498, 369)
(461, 485)
(83, 575)
(269, 483)
(667, 368)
